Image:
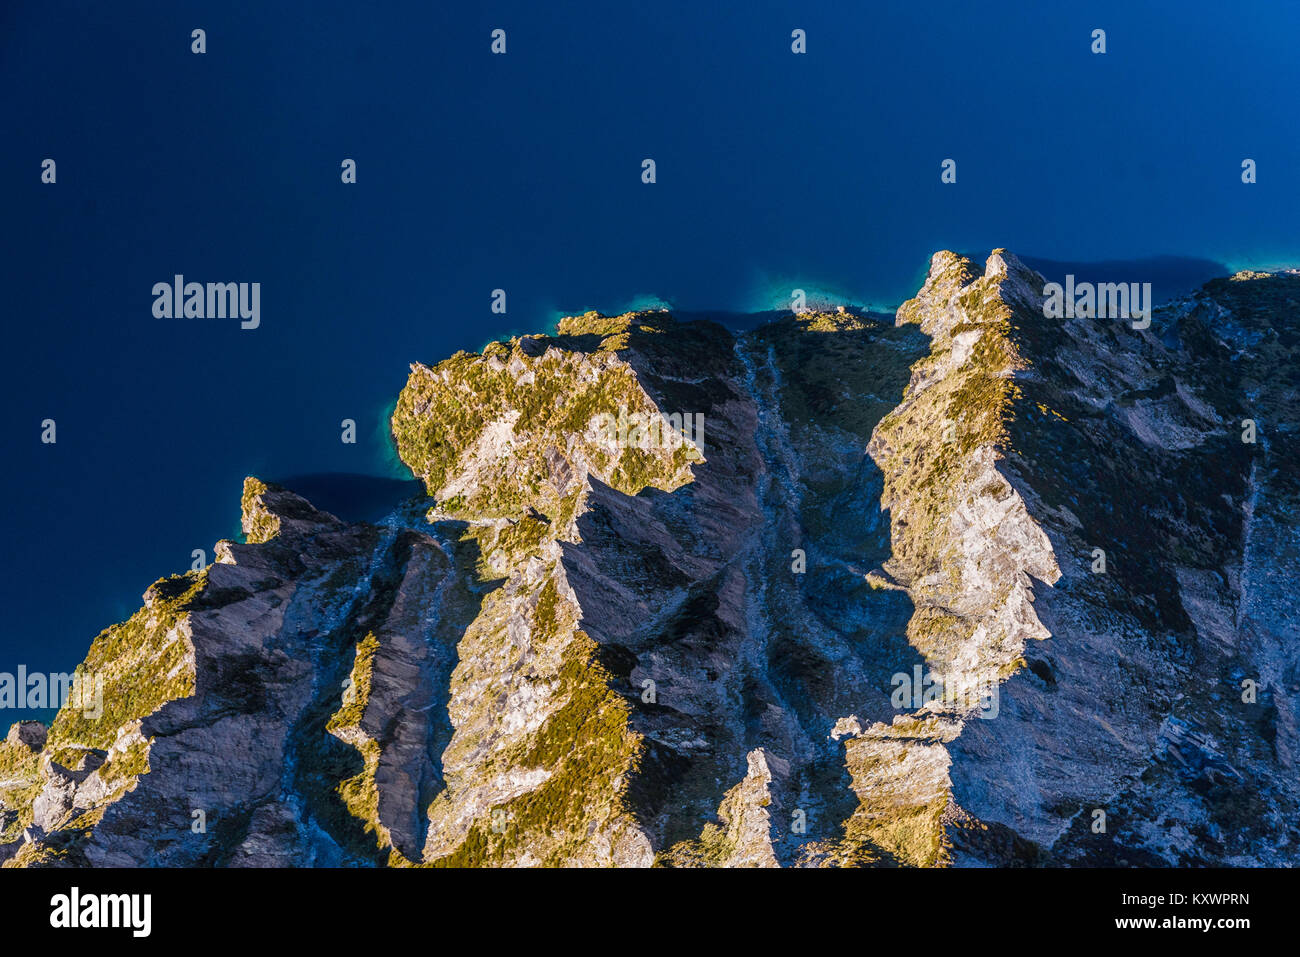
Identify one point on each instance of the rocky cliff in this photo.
(974, 586)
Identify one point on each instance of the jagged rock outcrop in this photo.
(29, 734)
(826, 593)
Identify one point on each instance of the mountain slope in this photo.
(855, 616)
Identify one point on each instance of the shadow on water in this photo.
(1170, 276)
(352, 497)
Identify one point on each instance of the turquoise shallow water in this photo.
(522, 172)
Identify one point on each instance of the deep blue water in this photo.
(522, 172)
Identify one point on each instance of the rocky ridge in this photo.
(860, 622)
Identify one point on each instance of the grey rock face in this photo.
(29, 734)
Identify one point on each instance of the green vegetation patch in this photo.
(519, 416)
(143, 663)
